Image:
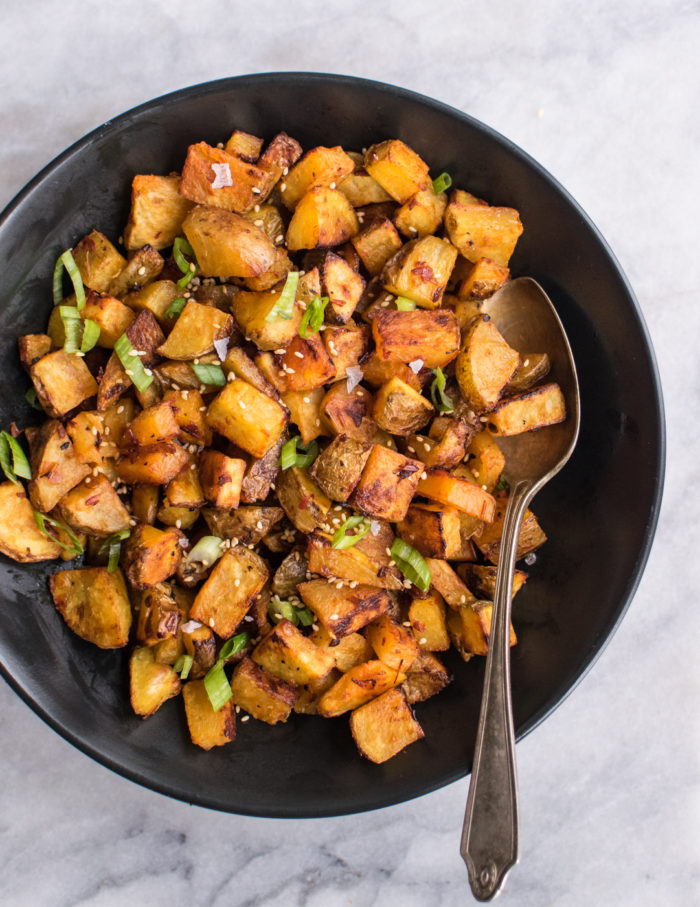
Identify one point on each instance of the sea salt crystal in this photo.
(190, 626)
(416, 365)
(221, 346)
(374, 527)
(354, 376)
(222, 176)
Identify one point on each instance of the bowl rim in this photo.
(578, 671)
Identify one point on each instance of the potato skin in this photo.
(95, 605)
(227, 245)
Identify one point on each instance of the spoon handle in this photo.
(489, 844)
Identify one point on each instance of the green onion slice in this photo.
(71, 319)
(183, 666)
(306, 616)
(217, 686)
(405, 305)
(175, 307)
(341, 540)
(411, 564)
(10, 450)
(67, 261)
(112, 546)
(42, 520)
(313, 316)
(289, 456)
(91, 334)
(207, 550)
(284, 307)
(441, 183)
(279, 610)
(209, 374)
(442, 403)
(33, 400)
(189, 269)
(234, 645)
(132, 363)
(502, 484)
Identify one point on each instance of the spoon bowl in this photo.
(528, 321)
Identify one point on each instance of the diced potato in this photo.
(227, 245)
(244, 145)
(485, 459)
(115, 420)
(482, 280)
(305, 411)
(346, 345)
(307, 364)
(337, 469)
(195, 332)
(279, 156)
(112, 316)
(141, 268)
(221, 478)
(384, 726)
(448, 584)
(351, 564)
(144, 504)
(225, 597)
(62, 382)
(426, 678)
(251, 311)
(153, 425)
(32, 347)
(98, 261)
(485, 365)
(347, 652)
(94, 507)
(151, 555)
(20, 537)
(399, 409)
(189, 411)
(481, 579)
(531, 535)
(247, 417)
(157, 298)
(265, 697)
(432, 529)
(180, 517)
(341, 283)
(95, 605)
(151, 683)
(286, 653)
(185, 489)
(376, 372)
(322, 218)
(470, 628)
(200, 643)
(343, 611)
(406, 336)
(303, 501)
(428, 619)
(441, 486)
(156, 464)
(248, 524)
(376, 243)
(533, 367)
(54, 465)
(208, 728)
(348, 414)
(387, 485)
(360, 188)
(530, 411)
(199, 176)
(420, 271)
(310, 693)
(157, 212)
(357, 686)
(393, 643)
(319, 167)
(480, 231)
(262, 474)
(159, 616)
(421, 214)
(242, 366)
(145, 336)
(113, 384)
(397, 169)
(447, 439)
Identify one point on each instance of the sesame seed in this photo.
(290, 371)
(526, 363)
(332, 186)
(411, 449)
(353, 584)
(191, 266)
(256, 208)
(306, 399)
(96, 471)
(279, 238)
(120, 409)
(219, 144)
(248, 617)
(148, 371)
(318, 423)
(245, 718)
(428, 446)
(314, 627)
(388, 551)
(241, 404)
(463, 600)
(283, 186)
(236, 582)
(485, 487)
(255, 190)
(285, 171)
(238, 709)
(132, 522)
(475, 473)
(338, 585)
(422, 641)
(202, 409)
(334, 617)
(178, 524)
(141, 271)
(259, 524)
(108, 430)
(407, 623)
(88, 481)
(129, 372)
(424, 475)
(259, 222)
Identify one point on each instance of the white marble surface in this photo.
(606, 95)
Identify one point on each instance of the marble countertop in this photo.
(606, 95)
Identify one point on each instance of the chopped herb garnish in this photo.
(289, 456)
(41, 520)
(313, 316)
(183, 666)
(209, 374)
(132, 363)
(13, 459)
(342, 540)
(442, 403)
(284, 610)
(175, 307)
(189, 268)
(411, 564)
(91, 334)
(112, 547)
(441, 183)
(284, 306)
(67, 261)
(502, 484)
(215, 681)
(71, 319)
(234, 645)
(404, 305)
(207, 550)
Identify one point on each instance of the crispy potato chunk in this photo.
(265, 697)
(347, 652)
(376, 243)
(159, 616)
(357, 686)
(376, 372)
(261, 474)
(532, 410)
(348, 414)
(343, 611)
(151, 683)
(195, 332)
(481, 579)
(399, 409)
(54, 464)
(152, 425)
(95, 605)
(251, 311)
(112, 316)
(244, 145)
(248, 524)
(286, 653)
(157, 298)
(144, 503)
(157, 212)
(307, 364)
(485, 365)
(200, 642)
(387, 485)
(480, 231)
(428, 619)
(448, 584)
(337, 469)
(227, 245)
(340, 282)
(393, 643)
(20, 537)
(94, 507)
(420, 271)
(397, 168)
(384, 726)
(221, 478)
(405, 336)
(225, 597)
(98, 261)
(305, 411)
(351, 564)
(482, 280)
(207, 727)
(432, 529)
(303, 502)
(439, 485)
(470, 628)
(155, 464)
(426, 678)
(533, 367)
(199, 177)
(319, 167)
(531, 534)
(32, 347)
(189, 411)
(113, 384)
(141, 268)
(346, 345)
(151, 555)
(249, 418)
(485, 459)
(360, 188)
(421, 214)
(62, 382)
(322, 218)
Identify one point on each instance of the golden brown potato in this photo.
(348, 414)
(157, 298)
(249, 418)
(426, 678)
(208, 728)
(95, 605)
(432, 337)
(393, 643)
(227, 245)
(32, 347)
(221, 478)
(158, 616)
(94, 507)
(62, 382)
(151, 683)
(151, 555)
(98, 261)
(441, 486)
(421, 214)
(322, 218)
(111, 315)
(265, 697)
(360, 188)
(199, 642)
(319, 167)
(262, 474)
(530, 411)
(244, 145)
(303, 501)
(357, 686)
(376, 243)
(20, 537)
(305, 412)
(531, 534)
(141, 268)
(387, 485)
(448, 584)
(225, 597)
(470, 629)
(252, 311)
(432, 529)
(351, 564)
(485, 365)
(153, 425)
(376, 372)
(399, 409)
(345, 610)
(54, 465)
(113, 384)
(346, 346)
(185, 489)
(155, 464)
(189, 411)
(242, 366)
(420, 271)
(144, 504)
(248, 524)
(485, 460)
(195, 332)
(428, 619)
(208, 170)
(533, 367)
(384, 726)
(397, 169)
(337, 469)
(480, 231)
(340, 282)
(287, 654)
(481, 579)
(157, 212)
(482, 280)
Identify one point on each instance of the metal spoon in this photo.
(526, 317)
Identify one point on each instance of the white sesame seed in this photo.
(485, 487)
(236, 582)
(241, 404)
(129, 372)
(132, 521)
(334, 617)
(219, 144)
(422, 641)
(141, 271)
(290, 371)
(120, 409)
(245, 718)
(148, 371)
(178, 524)
(332, 186)
(285, 171)
(259, 524)
(255, 190)
(307, 399)
(314, 627)
(411, 449)
(256, 208)
(475, 473)
(259, 222)
(279, 238)
(298, 354)
(88, 481)
(424, 475)
(526, 363)
(463, 600)
(283, 186)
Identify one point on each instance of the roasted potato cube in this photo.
(393, 643)
(244, 145)
(262, 473)
(341, 283)
(94, 507)
(347, 652)
(441, 486)
(151, 683)
(346, 345)
(319, 167)
(399, 409)
(481, 579)
(351, 564)
(208, 728)
(249, 418)
(420, 271)
(531, 535)
(428, 619)
(290, 572)
(421, 214)
(480, 231)
(348, 414)
(338, 468)
(227, 245)
(470, 628)
(360, 188)
(189, 411)
(111, 315)
(482, 280)
(357, 686)
(305, 411)
(157, 298)
(286, 653)
(387, 484)
(397, 168)
(145, 336)
(303, 502)
(251, 311)
(322, 218)
(62, 382)
(426, 678)
(225, 597)
(310, 693)
(200, 643)
(195, 332)
(242, 366)
(180, 517)
(384, 726)
(279, 156)
(144, 503)
(159, 616)
(485, 459)
(143, 267)
(32, 347)
(221, 478)
(533, 367)
(485, 365)
(54, 465)
(155, 464)
(269, 219)
(343, 611)
(447, 441)
(185, 489)
(376, 372)
(248, 524)
(20, 537)
(98, 261)
(307, 364)
(260, 694)
(153, 425)
(95, 605)
(113, 384)
(406, 336)
(151, 555)
(530, 411)
(432, 529)
(376, 243)
(157, 212)
(444, 579)
(215, 177)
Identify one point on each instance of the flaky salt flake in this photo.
(221, 347)
(222, 176)
(354, 376)
(190, 626)
(416, 365)
(375, 527)
(531, 558)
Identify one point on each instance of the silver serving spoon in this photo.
(526, 317)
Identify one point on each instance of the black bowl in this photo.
(600, 513)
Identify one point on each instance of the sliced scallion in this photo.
(207, 550)
(33, 400)
(342, 540)
(112, 547)
(209, 374)
(132, 363)
(13, 459)
(502, 484)
(411, 564)
(282, 610)
(234, 645)
(313, 316)
(183, 666)
(441, 183)
(41, 520)
(306, 616)
(175, 307)
(67, 261)
(71, 319)
(217, 686)
(91, 334)
(189, 269)
(404, 305)
(442, 403)
(284, 306)
(289, 456)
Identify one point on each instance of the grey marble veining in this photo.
(606, 95)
